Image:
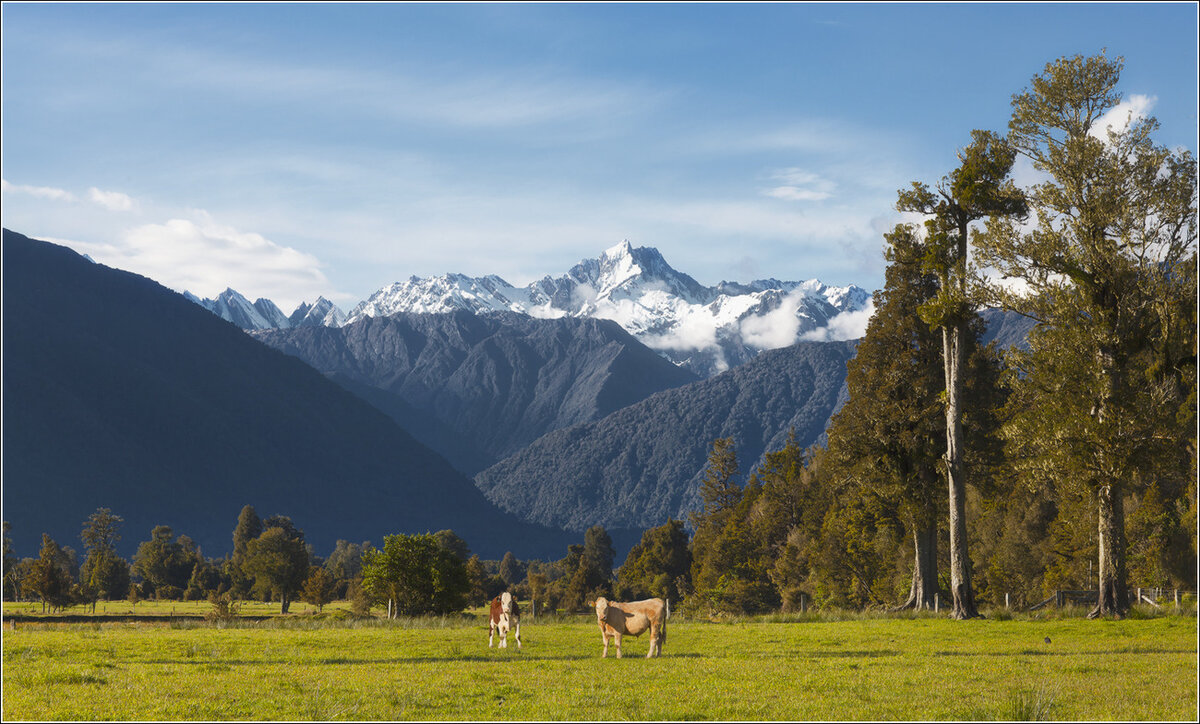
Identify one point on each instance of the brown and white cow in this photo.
(632, 619)
(505, 615)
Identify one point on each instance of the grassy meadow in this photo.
(808, 667)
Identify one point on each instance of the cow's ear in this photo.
(591, 604)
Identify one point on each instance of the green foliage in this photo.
(49, 577)
(10, 566)
(318, 587)
(224, 607)
(165, 564)
(658, 566)
(511, 570)
(1101, 396)
(104, 573)
(417, 575)
(278, 562)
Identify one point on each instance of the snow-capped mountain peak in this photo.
(706, 328)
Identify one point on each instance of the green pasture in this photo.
(812, 669)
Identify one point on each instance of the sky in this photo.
(296, 150)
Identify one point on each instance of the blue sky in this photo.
(296, 150)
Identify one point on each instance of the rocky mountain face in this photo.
(120, 393)
(478, 388)
(643, 464)
(264, 314)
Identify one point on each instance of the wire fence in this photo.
(1157, 597)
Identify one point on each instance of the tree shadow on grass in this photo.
(1043, 652)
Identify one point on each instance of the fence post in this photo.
(935, 603)
(803, 603)
(533, 608)
(1006, 601)
(668, 608)
(1139, 596)
(1176, 600)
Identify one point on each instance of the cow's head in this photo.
(506, 602)
(601, 608)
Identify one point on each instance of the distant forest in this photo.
(955, 473)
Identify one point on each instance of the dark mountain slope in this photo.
(642, 464)
(121, 393)
(478, 388)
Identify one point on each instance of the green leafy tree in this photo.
(249, 526)
(659, 565)
(278, 561)
(11, 583)
(417, 575)
(49, 578)
(318, 587)
(1102, 396)
(511, 570)
(165, 564)
(477, 575)
(345, 564)
(453, 543)
(592, 575)
(979, 188)
(104, 572)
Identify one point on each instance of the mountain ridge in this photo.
(120, 393)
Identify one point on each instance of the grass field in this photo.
(861, 668)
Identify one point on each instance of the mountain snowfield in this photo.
(708, 329)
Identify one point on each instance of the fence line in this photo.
(1062, 597)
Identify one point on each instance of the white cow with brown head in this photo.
(505, 615)
(632, 619)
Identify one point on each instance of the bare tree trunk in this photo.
(961, 592)
(1113, 598)
(1114, 590)
(924, 579)
(286, 602)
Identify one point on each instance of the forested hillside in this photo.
(642, 464)
(479, 387)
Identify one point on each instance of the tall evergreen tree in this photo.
(890, 434)
(979, 188)
(1110, 274)
(49, 578)
(249, 526)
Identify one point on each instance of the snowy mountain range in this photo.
(264, 314)
(708, 329)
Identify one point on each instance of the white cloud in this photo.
(1122, 115)
(41, 192)
(778, 327)
(204, 257)
(111, 200)
(845, 326)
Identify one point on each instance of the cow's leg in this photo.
(617, 640)
(604, 638)
(491, 633)
(517, 633)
